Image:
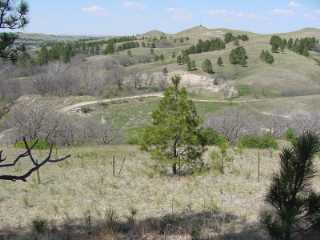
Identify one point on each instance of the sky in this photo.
(128, 17)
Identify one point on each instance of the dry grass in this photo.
(82, 190)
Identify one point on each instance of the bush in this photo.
(213, 138)
(40, 226)
(291, 135)
(260, 142)
(267, 57)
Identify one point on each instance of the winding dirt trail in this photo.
(77, 106)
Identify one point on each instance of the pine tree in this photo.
(283, 45)
(193, 65)
(276, 43)
(175, 135)
(179, 60)
(43, 56)
(238, 56)
(228, 37)
(13, 16)
(295, 205)
(161, 57)
(220, 62)
(290, 43)
(110, 49)
(267, 57)
(207, 66)
(305, 52)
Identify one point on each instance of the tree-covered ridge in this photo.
(206, 46)
(301, 46)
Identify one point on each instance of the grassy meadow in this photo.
(83, 192)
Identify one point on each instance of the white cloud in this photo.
(313, 15)
(138, 6)
(283, 12)
(294, 4)
(232, 14)
(95, 10)
(179, 14)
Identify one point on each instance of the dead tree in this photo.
(37, 164)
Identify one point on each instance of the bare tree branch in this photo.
(36, 163)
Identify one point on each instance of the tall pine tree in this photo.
(175, 135)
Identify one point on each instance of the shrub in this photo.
(291, 135)
(260, 142)
(213, 138)
(267, 57)
(40, 226)
(41, 144)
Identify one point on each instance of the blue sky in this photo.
(123, 17)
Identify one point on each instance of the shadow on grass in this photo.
(184, 226)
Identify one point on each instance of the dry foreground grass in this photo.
(81, 199)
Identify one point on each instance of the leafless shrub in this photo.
(302, 122)
(57, 80)
(233, 124)
(39, 121)
(276, 125)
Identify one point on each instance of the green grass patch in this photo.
(245, 90)
(41, 144)
(259, 142)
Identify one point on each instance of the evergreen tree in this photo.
(295, 206)
(165, 71)
(161, 57)
(189, 66)
(185, 58)
(43, 56)
(305, 52)
(228, 37)
(129, 53)
(13, 16)
(238, 56)
(175, 135)
(275, 42)
(290, 43)
(97, 50)
(220, 62)
(67, 54)
(283, 45)
(207, 66)
(193, 65)
(267, 57)
(179, 60)
(110, 49)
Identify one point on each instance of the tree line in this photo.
(229, 37)
(301, 46)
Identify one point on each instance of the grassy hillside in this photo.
(291, 74)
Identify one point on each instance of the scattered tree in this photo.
(207, 66)
(267, 57)
(276, 43)
(238, 56)
(220, 62)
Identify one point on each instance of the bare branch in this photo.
(36, 163)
